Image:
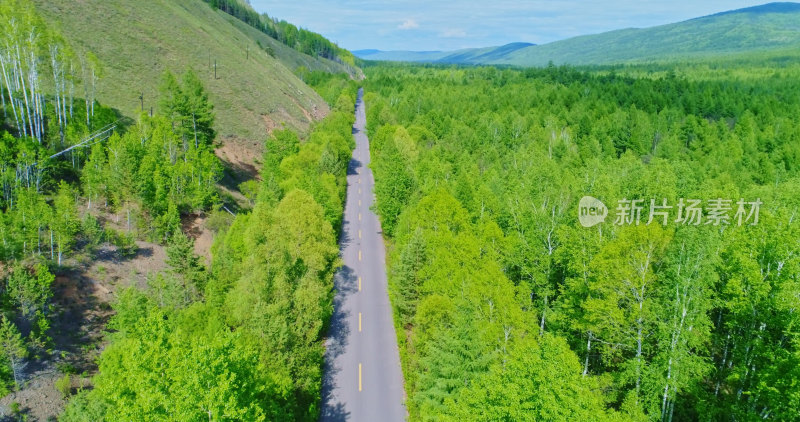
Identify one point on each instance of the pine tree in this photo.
(14, 350)
(30, 291)
(186, 265)
(406, 280)
(199, 110)
(65, 222)
(94, 175)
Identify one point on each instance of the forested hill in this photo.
(300, 39)
(769, 26)
(766, 27)
(255, 88)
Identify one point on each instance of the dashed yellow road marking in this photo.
(359, 216)
(359, 377)
(359, 191)
(359, 234)
(359, 255)
(359, 284)
(359, 322)
(359, 202)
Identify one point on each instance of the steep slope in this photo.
(771, 26)
(254, 90)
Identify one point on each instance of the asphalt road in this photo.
(363, 380)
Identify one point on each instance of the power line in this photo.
(103, 134)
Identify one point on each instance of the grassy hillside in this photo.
(298, 38)
(137, 41)
(771, 26)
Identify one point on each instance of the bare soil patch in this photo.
(81, 309)
(194, 226)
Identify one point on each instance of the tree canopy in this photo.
(509, 309)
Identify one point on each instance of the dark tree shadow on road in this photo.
(335, 413)
(353, 166)
(345, 282)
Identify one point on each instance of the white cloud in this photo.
(454, 33)
(408, 24)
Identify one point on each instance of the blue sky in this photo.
(449, 25)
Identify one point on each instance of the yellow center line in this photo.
(359, 284)
(359, 234)
(359, 180)
(359, 216)
(359, 377)
(359, 191)
(359, 322)
(359, 202)
(359, 255)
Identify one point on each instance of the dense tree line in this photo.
(300, 39)
(243, 340)
(62, 164)
(508, 309)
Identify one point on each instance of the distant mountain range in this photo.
(765, 27)
(467, 55)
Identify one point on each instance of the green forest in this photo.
(239, 342)
(508, 309)
(242, 340)
(300, 39)
(681, 305)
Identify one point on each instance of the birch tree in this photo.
(92, 71)
(20, 44)
(622, 309)
(686, 296)
(60, 62)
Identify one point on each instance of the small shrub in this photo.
(93, 232)
(64, 386)
(219, 220)
(66, 368)
(250, 190)
(125, 242)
